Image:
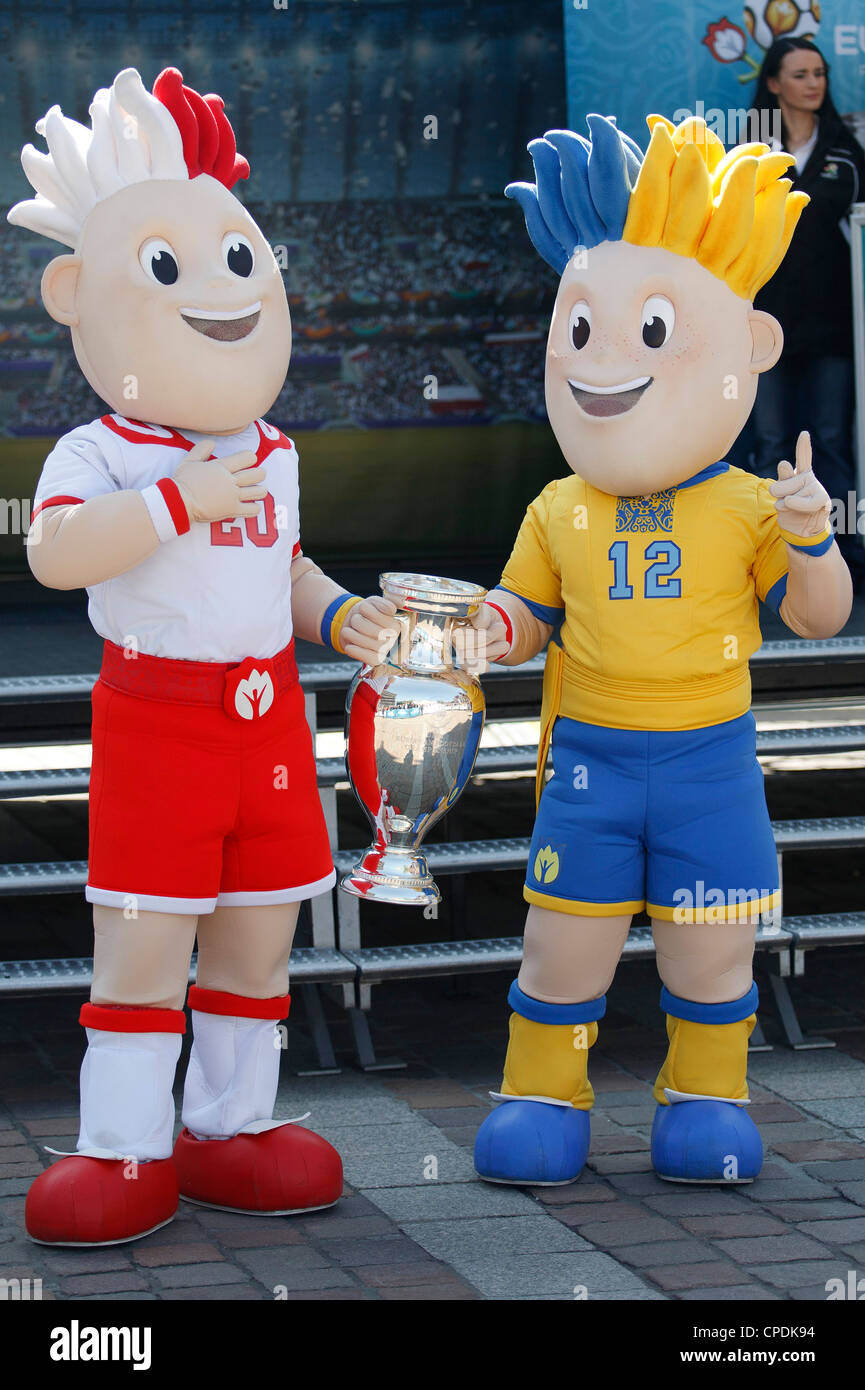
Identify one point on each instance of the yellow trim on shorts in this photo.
(580, 909)
(735, 912)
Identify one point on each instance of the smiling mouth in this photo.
(602, 401)
(225, 325)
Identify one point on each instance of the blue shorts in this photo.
(671, 821)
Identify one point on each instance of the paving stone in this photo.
(212, 1293)
(557, 1274)
(843, 1113)
(773, 1112)
(693, 1200)
(618, 1143)
(193, 1253)
(11, 1139)
(791, 1246)
(15, 1187)
(418, 1271)
(625, 1095)
(59, 1261)
(853, 1191)
(280, 1266)
(841, 1232)
(184, 1276)
(638, 1232)
(807, 1151)
(685, 1250)
(785, 1189)
(452, 1292)
(453, 1165)
(435, 1092)
(798, 1273)
(435, 1202)
(712, 1274)
(348, 1227)
(502, 1236)
(386, 1250)
(796, 1132)
(840, 1170)
(749, 1223)
(588, 1188)
(122, 1281)
(815, 1211)
(605, 1164)
(441, 1116)
(738, 1293)
(53, 1125)
(581, 1213)
(267, 1234)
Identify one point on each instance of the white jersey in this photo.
(219, 592)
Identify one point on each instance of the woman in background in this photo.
(810, 294)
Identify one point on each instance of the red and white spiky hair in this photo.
(173, 133)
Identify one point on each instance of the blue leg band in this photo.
(539, 1012)
(732, 1012)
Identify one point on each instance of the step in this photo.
(827, 929)
(840, 738)
(68, 976)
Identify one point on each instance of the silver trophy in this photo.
(413, 726)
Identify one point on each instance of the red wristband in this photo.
(175, 504)
(509, 627)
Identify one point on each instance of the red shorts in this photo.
(191, 809)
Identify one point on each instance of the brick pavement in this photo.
(416, 1224)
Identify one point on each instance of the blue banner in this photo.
(630, 58)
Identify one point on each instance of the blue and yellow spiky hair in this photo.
(731, 212)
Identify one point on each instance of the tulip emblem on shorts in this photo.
(249, 690)
(546, 865)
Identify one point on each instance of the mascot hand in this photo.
(366, 635)
(482, 640)
(803, 505)
(220, 489)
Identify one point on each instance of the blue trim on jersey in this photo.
(553, 616)
(777, 593)
(813, 549)
(711, 472)
(691, 1012)
(539, 1012)
(326, 621)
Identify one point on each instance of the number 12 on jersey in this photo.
(665, 557)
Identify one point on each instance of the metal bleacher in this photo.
(337, 959)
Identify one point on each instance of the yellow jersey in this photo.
(656, 596)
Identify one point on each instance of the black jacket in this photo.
(810, 293)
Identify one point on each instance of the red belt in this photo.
(246, 690)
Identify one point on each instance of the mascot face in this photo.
(654, 347)
(177, 307)
(651, 367)
(174, 298)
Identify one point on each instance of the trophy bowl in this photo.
(413, 727)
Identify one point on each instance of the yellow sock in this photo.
(550, 1059)
(706, 1059)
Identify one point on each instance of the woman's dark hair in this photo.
(764, 100)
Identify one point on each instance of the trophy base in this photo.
(400, 877)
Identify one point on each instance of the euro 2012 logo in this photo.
(778, 19)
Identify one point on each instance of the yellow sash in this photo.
(550, 703)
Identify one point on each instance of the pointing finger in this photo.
(803, 453)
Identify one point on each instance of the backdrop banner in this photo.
(630, 57)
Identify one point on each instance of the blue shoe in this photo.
(530, 1142)
(705, 1141)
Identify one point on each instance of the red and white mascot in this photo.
(178, 512)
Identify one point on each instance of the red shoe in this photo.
(97, 1201)
(275, 1173)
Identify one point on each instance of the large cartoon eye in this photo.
(238, 254)
(159, 261)
(657, 320)
(580, 324)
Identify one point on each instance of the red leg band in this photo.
(122, 1018)
(215, 1001)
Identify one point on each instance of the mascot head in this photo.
(654, 347)
(174, 298)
